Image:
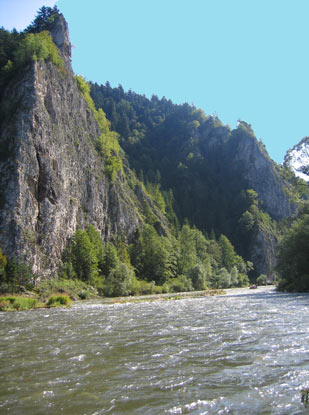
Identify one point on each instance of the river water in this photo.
(243, 353)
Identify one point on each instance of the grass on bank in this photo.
(46, 294)
(20, 303)
(164, 296)
(62, 293)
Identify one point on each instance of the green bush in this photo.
(15, 276)
(119, 281)
(261, 280)
(107, 144)
(35, 47)
(180, 284)
(75, 289)
(146, 287)
(59, 300)
(17, 303)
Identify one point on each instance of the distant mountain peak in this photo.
(298, 159)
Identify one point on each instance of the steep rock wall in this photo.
(251, 160)
(52, 179)
(245, 164)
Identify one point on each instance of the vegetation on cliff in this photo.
(189, 164)
(18, 49)
(107, 144)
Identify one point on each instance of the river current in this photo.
(243, 353)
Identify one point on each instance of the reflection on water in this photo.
(237, 354)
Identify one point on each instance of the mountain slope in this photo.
(209, 168)
(53, 179)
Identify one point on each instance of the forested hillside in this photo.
(221, 180)
(109, 189)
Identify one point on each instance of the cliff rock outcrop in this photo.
(247, 165)
(52, 181)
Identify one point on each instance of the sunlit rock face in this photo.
(52, 180)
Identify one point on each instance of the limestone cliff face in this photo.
(246, 165)
(252, 161)
(260, 173)
(52, 180)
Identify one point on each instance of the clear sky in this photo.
(240, 59)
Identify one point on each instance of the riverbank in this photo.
(29, 302)
(24, 303)
(162, 297)
(189, 294)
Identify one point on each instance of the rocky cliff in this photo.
(247, 165)
(247, 160)
(52, 181)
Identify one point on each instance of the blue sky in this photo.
(240, 59)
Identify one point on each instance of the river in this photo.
(243, 353)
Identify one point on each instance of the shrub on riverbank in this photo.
(75, 289)
(18, 303)
(15, 276)
(59, 300)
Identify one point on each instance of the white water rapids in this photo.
(243, 353)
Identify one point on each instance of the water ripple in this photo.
(242, 353)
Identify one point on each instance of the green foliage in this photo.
(293, 257)
(167, 145)
(119, 281)
(180, 284)
(83, 255)
(152, 256)
(84, 260)
(295, 187)
(97, 246)
(113, 165)
(234, 276)
(229, 257)
(154, 190)
(16, 51)
(35, 47)
(110, 260)
(75, 289)
(198, 275)
(17, 303)
(153, 263)
(261, 279)
(223, 278)
(43, 20)
(3, 263)
(14, 275)
(59, 300)
(188, 262)
(188, 253)
(107, 144)
(9, 43)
